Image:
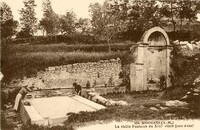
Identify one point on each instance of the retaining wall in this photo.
(105, 72)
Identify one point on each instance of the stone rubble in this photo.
(188, 48)
(153, 108)
(175, 103)
(106, 102)
(194, 92)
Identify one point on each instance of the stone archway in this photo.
(148, 33)
(152, 62)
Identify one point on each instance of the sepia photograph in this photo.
(100, 64)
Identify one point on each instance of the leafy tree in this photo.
(138, 15)
(106, 22)
(28, 19)
(179, 10)
(198, 5)
(67, 22)
(8, 24)
(143, 15)
(50, 20)
(188, 11)
(84, 25)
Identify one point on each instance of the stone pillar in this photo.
(168, 49)
(138, 71)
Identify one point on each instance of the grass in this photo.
(69, 48)
(132, 112)
(175, 92)
(28, 64)
(26, 59)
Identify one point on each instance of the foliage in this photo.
(24, 33)
(106, 23)
(67, 39)
(50, 22)
(67, 48)
(5, 124)
(179, 11)
(28, 19)
(142, 15)
(8, 24)
(19, 64)
(175, 92)
(84, 25)
(67, 23)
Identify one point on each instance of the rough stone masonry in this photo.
(97, 73)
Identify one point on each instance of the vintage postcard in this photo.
(100, 64)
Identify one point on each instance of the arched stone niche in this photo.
(152, 61)
(154, 34)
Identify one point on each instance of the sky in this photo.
(80, 7)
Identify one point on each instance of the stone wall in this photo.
(105, 72)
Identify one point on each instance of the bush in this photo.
(24, 34)
(71, 39)
(175, 92)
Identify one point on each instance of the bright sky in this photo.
(198, 16)
(80, 7)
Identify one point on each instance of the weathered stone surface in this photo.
(164, 108)
(184, 97)
(151, 60)
(196, 90)
(54, 110)
(195, 94)
(169, 114)
(153, 108)
(64, 76)
(175, 103)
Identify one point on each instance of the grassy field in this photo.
(26, 60)
(69, 48)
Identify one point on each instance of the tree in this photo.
(50, 20)
(188, 11)
(106, 22)
(68, 22)
(84, 25)
(138, 15)
(143, 15)
(8, 24)
(28, 19)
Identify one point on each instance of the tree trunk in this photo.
(189, 29)
(181, 24)
(172, 18)
(56, 39)
(109, 47)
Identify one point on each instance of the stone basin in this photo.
(53, 110)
